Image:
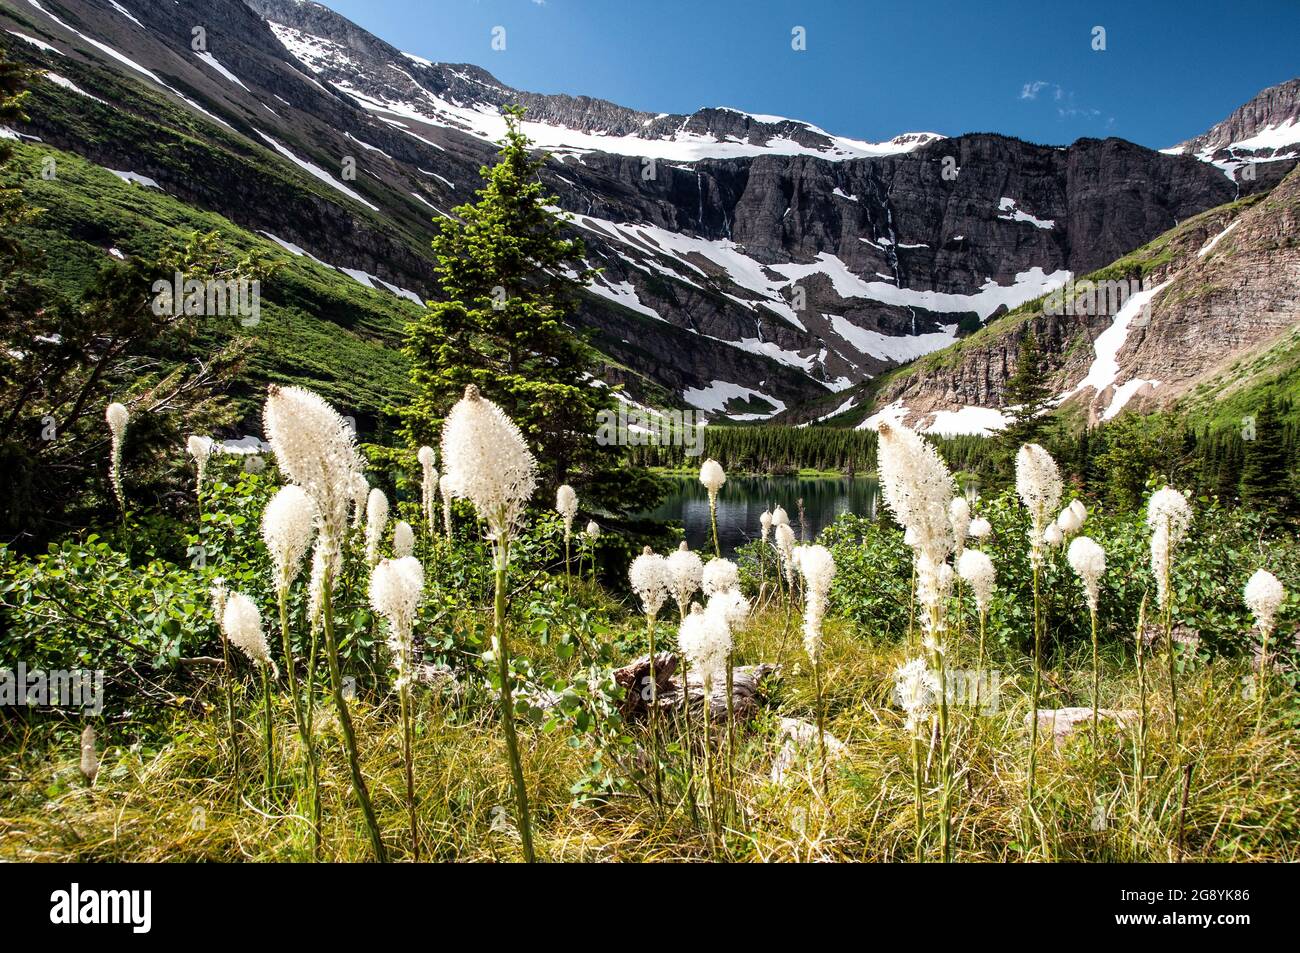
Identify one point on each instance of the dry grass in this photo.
(178, 801)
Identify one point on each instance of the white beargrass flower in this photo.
(817, 567)
(1168, 515)
(785, 548)
(979, 528)
(428, 486)
(360, 497)
(200, 448)
(704, 639)
(1080, 511)
(732, 605)
(117, 417)
(316, 449)
(685, 575)
(917, 487)
(403, 539)
(1053, 536)
(376, 523)
(1070, 519)
(719, 576)
(649, 578)
(489, 463)
(960, 519)
(1038, 483)
(89, 756)
(712, 476)
(916, 689)
(976, 570)
(445, 488)
(1088, 560)
(316, 586)
(780, 517)
(242, 623)
(218, 592)
(288, 525)
(765, 523)
(1264, 595)
(566, 504)
(396, 587)
(593, 530)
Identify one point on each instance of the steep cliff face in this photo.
(749, 263)
(1215, 295)
(1264, 130)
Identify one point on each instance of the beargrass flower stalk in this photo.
(288, 526)
(818, 569)
(592, 535)
(765, 532)
(316, 449)
(975, 568)
(1088, 560)
(960, 519)
(117, 418)
(242, 623)
(403, 539)
(396, 588)
(721, 575)
(1053, 536)
(1038, 484)
(918, 488)
(89, 756)
(712, 476)
(1264, 596)
(979, 528)
(218, 593)
(566, 504)
(1168, 516)
(685, 576)
(1140, 756)
(915, 688)
(651, 579)
(490, 465)
(428, 489)
(705, 640)
(376, 523)
(200, 448)
(360, 498)
(446, 490)
(733, 608)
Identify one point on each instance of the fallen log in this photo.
(746, 688)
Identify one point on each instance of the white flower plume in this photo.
(960, 519)
(316, 449)
(428, 488)
(704, 638)
(732, 605)
(489, 462)
(403, 539)
(288, 526)
(1169, 508)
(817, 567)
(242, 623)
(712, 476)
(200, 448)
(765, 523)
(396, 588)
(1038, 483)
(376, 523)
(780, 517)
(976, 570)
(1264, 596)
(566, 504)
(117, 418)
(916, 689)
(1088, 560)
(719, 576)
(979, 528)
(685, 575)
(593, 530)
(785, 548)
(917, 487)
(649, 578)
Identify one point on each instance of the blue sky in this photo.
(872, 68)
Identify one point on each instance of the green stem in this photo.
(689, 748)
(1096, 685)
(1263, 682)
(654, 715)
(270, 732)
(731, 742)
(502, 556)
(345, 722)
(405, 696)
(920, 802)
(230, 708)
(299, 716)
(713, 521)
(821, 732)
(979, 665)
(1037, 690)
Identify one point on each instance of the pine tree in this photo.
(1265, 473)
(510, 280)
